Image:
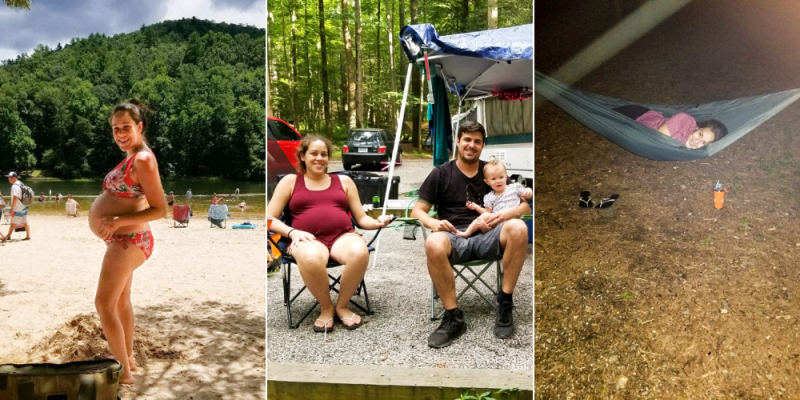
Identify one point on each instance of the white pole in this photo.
(394, 155)
(455, 132)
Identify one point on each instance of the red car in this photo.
(282, 142)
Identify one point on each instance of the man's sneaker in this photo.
(453, 325)
(504, 323)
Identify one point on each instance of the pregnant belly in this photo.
(108, 204)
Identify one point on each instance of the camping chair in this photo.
(218, 215)
(180, 216)
(476, 269)
(287, 260)
(5, 219)
(72, 209)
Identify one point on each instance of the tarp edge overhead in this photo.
(596, 112)
(513, 43)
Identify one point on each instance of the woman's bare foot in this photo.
(325, 315)
(127, 379)
(345, 314)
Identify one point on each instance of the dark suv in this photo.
(368, 146)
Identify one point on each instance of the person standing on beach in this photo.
(132, 197)
(189, 194)
(19, 211)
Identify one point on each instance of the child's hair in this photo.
(493, 164)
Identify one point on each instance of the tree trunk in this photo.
(359, 70)
(295, 102)
(492, 14)
(390, 24)
(286, 59)
(313, 116)
(325, 93)
(351, 79)
(464, 15)
(415, 89)
(343, 116)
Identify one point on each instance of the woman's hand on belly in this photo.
(108, 225)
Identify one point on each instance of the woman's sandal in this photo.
(586, 200)
(608, 201)
(324, 328)
(350, 318)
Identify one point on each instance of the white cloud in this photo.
(255, 15)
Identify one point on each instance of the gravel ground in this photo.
(396, 335)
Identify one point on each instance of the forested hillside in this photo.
(338, 64)
(205, 82)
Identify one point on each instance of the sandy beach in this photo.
(199, 305)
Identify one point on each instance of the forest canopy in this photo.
(337, 64)
(205, 82)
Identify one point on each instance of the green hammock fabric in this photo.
(740, 116)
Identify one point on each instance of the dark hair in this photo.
(136, 109)
(716, 127)
(471, 126)
(303, 148)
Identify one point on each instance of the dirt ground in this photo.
(661, 295)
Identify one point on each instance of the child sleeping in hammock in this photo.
(680, 126)
(502, 196)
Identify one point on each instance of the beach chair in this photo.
(287, 261)
(72, 209)
(218, 215)
(470, 272)
(180, 216)
(5, 219)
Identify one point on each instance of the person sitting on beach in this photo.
(681, 126)
(503, 235)
(501, 198)
(58, 198)
(41, 197)
(132, 197)
(70, 201)
(189, 194)
(171, 198)
(214, 199)
(321, 228)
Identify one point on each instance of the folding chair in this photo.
(218, 215)
(5, 219)
(287, 261)
(72, 209)
(180, 216)
(476, 268)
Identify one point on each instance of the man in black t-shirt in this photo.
(449, 187)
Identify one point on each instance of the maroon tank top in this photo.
(322, 213)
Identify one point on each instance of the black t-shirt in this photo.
(449, 190)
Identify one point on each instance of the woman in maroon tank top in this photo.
(321, 228)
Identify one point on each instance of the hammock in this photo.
(740, 116)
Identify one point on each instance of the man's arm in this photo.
(14, 200)
(420, 212)
(512, 213)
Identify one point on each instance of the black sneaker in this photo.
(452, 326)
(504, 323)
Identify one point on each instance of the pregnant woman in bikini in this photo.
(132, 197)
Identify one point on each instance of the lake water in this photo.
(253, 193)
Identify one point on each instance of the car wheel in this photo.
(347, 167)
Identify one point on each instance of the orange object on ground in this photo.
(719, 199)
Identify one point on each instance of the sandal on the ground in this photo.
(324, 328)
(586, 200)
(608, 201)
(350, 318)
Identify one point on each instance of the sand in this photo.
(199, 304)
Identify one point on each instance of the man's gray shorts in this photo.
(480, 246)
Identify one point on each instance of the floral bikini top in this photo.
(119, 183)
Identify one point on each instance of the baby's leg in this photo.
(474, 226)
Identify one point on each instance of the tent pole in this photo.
(455, 132)
(394, 156)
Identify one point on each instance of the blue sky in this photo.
(51, 22)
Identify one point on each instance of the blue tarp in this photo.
(475, 64)
(514, 43)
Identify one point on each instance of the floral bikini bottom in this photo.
(143, 240)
